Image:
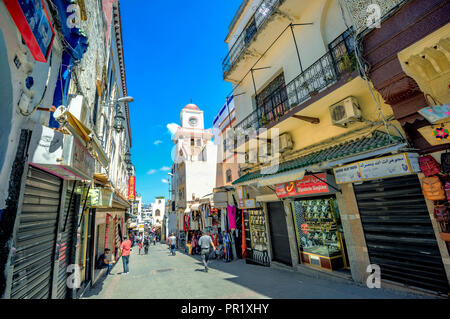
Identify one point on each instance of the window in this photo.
(192, 142)
(157, 213)
(228, 175)
(94, 112)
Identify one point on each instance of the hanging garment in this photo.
(215, 238)
(222, 219)
(244, 241)
(231, 217)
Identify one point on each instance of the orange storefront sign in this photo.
(131, 187)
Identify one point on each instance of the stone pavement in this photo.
(159, 275)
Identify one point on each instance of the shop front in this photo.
(45, 224)
(318, 229)
(397, 220)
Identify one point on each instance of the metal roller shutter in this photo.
(36, 236)
(399, 234)
(278, 233)
(68, 241)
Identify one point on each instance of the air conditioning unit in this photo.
(285, 142)
(345, 112)
(77, 105)
(251, 157)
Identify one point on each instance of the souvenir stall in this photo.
(254, 237)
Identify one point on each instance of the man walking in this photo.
(173, 243)
(205, 242)
(125, 249)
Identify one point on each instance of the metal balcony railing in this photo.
(326, 71)
(262, 13)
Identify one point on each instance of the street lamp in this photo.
(127, 157)
(119, 121)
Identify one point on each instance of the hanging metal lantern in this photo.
(127, 157)
(119, 121)
(129, 168)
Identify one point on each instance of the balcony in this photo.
(339, 61)
(261, 15)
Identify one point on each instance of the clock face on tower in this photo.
(193, 121)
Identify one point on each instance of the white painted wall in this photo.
(201, 175)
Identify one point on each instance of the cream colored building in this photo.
(302, 109)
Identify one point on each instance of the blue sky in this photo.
(173, 53)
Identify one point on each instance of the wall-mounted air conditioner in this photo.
(345, 112)
(77, 105)
(285, 142)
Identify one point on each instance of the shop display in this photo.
(319, 234)
(258, 229)
(255, 237)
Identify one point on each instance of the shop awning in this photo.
(76, 128)
(378, 143)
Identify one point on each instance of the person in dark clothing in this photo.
(104, 262)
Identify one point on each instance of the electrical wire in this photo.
(362, 69)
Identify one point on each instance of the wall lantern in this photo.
(119, 120)
(127, 157)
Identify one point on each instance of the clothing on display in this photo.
(231, 216)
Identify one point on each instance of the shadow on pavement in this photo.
(289, 284)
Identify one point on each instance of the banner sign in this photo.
(306, 186)
(131, 187)
(280, 189)
(33, 23)
(312, 185)
(388, 166)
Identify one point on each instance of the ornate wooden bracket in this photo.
(313, 120)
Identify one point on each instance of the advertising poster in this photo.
(33, 22)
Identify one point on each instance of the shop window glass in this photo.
(318, 227)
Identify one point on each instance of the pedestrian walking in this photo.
(206, 243)
(173, 243)
(140, 246)
(125, 249)
(154, 239)
(146, 244)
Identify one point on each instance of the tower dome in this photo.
(191, 106)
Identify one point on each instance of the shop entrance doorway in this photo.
(278, 233)
(398, 231)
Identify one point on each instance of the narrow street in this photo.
(159, 275)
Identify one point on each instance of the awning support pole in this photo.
(336, 189)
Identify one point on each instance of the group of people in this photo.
(205, 243)
(105, 261)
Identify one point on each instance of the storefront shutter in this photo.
(399, 234)
(36, 236)
(68, 241)
(278, 233)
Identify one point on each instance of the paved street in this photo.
(159, 275)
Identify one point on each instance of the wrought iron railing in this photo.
(262, 13)
(326, 71)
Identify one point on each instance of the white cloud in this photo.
(172, 127)
(157, 142)
(152, 171)
(165, 181)
(165, 168)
